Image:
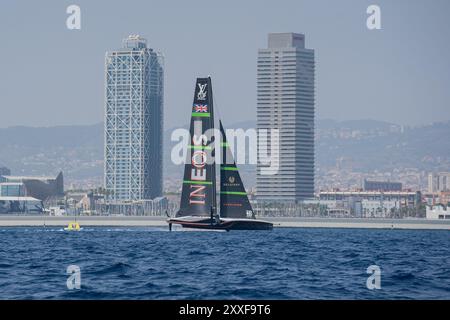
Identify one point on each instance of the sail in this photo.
(234, 201)
(198, 196)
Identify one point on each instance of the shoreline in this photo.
(279, 222)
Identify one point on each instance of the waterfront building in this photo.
(83, 202)
(444, 198)
(26, 194)
(371, 203)
(438, 212)
(42, 188)
(285, 102)
(133, 122)
(21, 205)
(381, 186)
(155, 207)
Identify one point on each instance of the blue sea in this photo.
(290, 263)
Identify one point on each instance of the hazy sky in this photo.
(54, 76)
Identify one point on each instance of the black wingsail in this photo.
(198, 196)
(234, 201)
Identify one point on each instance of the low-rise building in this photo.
(444, 197)
(19, 194)
(434, 198)
(370, 203)
(27, 205)
(438, 212)
(12, 189)
(41, 188)
(154, 207)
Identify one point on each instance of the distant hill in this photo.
(369, 145)
(60, 136)
(76, 150)
(364, 124)
(386, 146)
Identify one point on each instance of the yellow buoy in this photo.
(73, 226)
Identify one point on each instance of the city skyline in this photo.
(312, 134)
(225, 116)
(363, 73)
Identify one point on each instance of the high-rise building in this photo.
(133, 121)
(285, 101)
(439, 182)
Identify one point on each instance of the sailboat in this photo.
(198, 209)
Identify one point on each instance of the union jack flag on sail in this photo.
(200, 108)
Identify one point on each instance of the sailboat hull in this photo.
(226, 224)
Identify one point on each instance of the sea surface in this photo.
(289, 263)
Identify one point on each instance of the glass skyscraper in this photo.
(285, 101)
(133, 121)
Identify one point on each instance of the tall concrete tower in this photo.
(285, 101)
